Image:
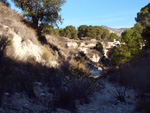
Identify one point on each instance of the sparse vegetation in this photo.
(80, 66)
(46, 55)
(4, 42)
(120, 92)
(76, 88)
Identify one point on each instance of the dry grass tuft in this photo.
(47, 54)
(79, 66)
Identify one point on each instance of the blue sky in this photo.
(112, 13)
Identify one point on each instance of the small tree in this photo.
(70, 32)
(121, 55)
(46, 28)
(138, 28)
(44, 11)
(130, 38)
(131, 49)
(82, 31)
(114, 36)
(91, 32)
(143, 16)
(105, 34)
(99, 31)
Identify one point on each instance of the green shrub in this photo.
(76, 88)
(46, 28)
(4, 42)
(70, 32)
(99, 47)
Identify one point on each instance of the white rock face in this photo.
(107, 46)
(82, 44)
(72, 45)
(54, 64)
(93, 55)
(85, 50)
(90, 45)
(25, 49)
(95, 58)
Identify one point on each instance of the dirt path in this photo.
(105, 101)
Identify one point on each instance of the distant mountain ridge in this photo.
(118, 31)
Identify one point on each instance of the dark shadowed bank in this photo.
(46, 87)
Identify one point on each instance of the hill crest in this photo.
(118, 31)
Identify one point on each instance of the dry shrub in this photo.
(79, 67)
(73, 88)
(48, 55)
(7, 13)
(4, 10)
(6, 22)
(56, 41)
(26, 33)
(59, 44)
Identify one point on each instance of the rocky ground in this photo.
(104, 101)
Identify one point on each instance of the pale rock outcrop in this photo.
(106, 47)
(72, 45)
(95, 58)
(92, 54)
(25, 49)
(22, 50)
(82, 44)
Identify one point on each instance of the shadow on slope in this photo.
(64, 84)
(136, 75)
